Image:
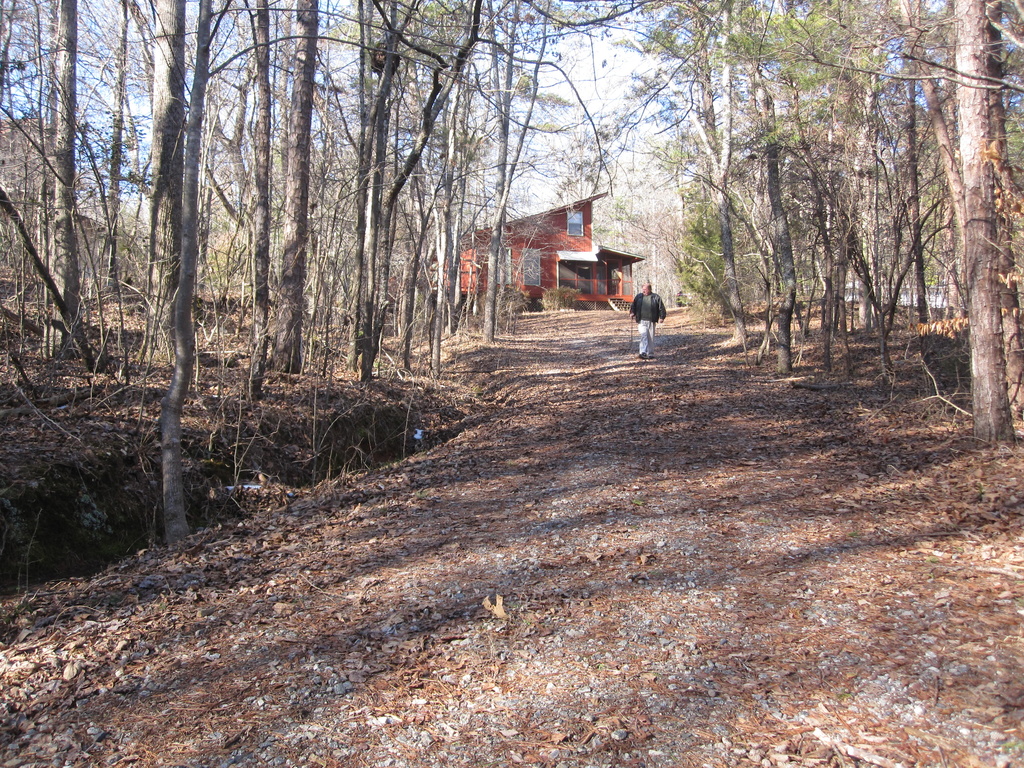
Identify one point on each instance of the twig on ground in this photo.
(31, 407)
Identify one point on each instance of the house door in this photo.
(601, 272)
(614, 278)
(620, 278)
(626, 284)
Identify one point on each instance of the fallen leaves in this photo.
(495, 607)
(476, 606)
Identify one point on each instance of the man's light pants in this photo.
(646, 328)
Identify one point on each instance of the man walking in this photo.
(647, 311)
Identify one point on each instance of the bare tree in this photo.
(713, 121)
(914, 213)
(448, 222)
(261, 215)
(502, 73)
(287, 332)
(504, 80)
(379, 197)
(175, 521)
(782, 243)
(66, 173)
(167, 160)
(8, 208)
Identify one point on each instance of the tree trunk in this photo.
(66, 239)
(112, 200)
(914, 205)
(446, 247)
(115, 172)
(974, 50)
(502, 83)
(381, 208)
(287, 354)
(1009, 302)
(52, 289)
(715, 129)
(411, 275)
(261, 215)
(782, 244)
(911, 11)
(376, 217)
(507, 159)
(367, 104)
(172, 406)
(830, 295)
(441, 255)
(377, 65)
(167, 161)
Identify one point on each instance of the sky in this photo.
(597, 73)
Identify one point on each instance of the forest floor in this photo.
(685, 561)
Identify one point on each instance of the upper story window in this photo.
(575, 224)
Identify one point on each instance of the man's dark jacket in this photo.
(658, 306)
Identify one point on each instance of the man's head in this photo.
(646, 289)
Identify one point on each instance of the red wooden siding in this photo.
(604, 273)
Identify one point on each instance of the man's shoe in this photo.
(643, 355)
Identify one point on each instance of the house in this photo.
(554, 249)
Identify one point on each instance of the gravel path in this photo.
(668, 563)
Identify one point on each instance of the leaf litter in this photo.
(679, 562)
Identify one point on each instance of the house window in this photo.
(575, 224)
(573, 274)
(531, 266)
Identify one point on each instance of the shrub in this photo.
(511, 303)
(559, 298)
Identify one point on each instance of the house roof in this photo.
(604, 250)
(577, 255)
(597, 254)
(567, 207)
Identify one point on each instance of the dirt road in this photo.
(678, 562)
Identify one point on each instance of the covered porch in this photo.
(601, 276)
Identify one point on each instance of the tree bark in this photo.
(914, 205)
(715, 130)
(66, 239)
(261, 214)
(375, 119)
(411, 273)
(375, 216)
(167, 160)
(502, 84)
(507, 160)
(380, 208)
(175, 519)
(830, 296)
(1009, 301)
(287, 354)
(446, 238)
(975, 49)
(111, 269)
(782, 244)
(911, 11)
